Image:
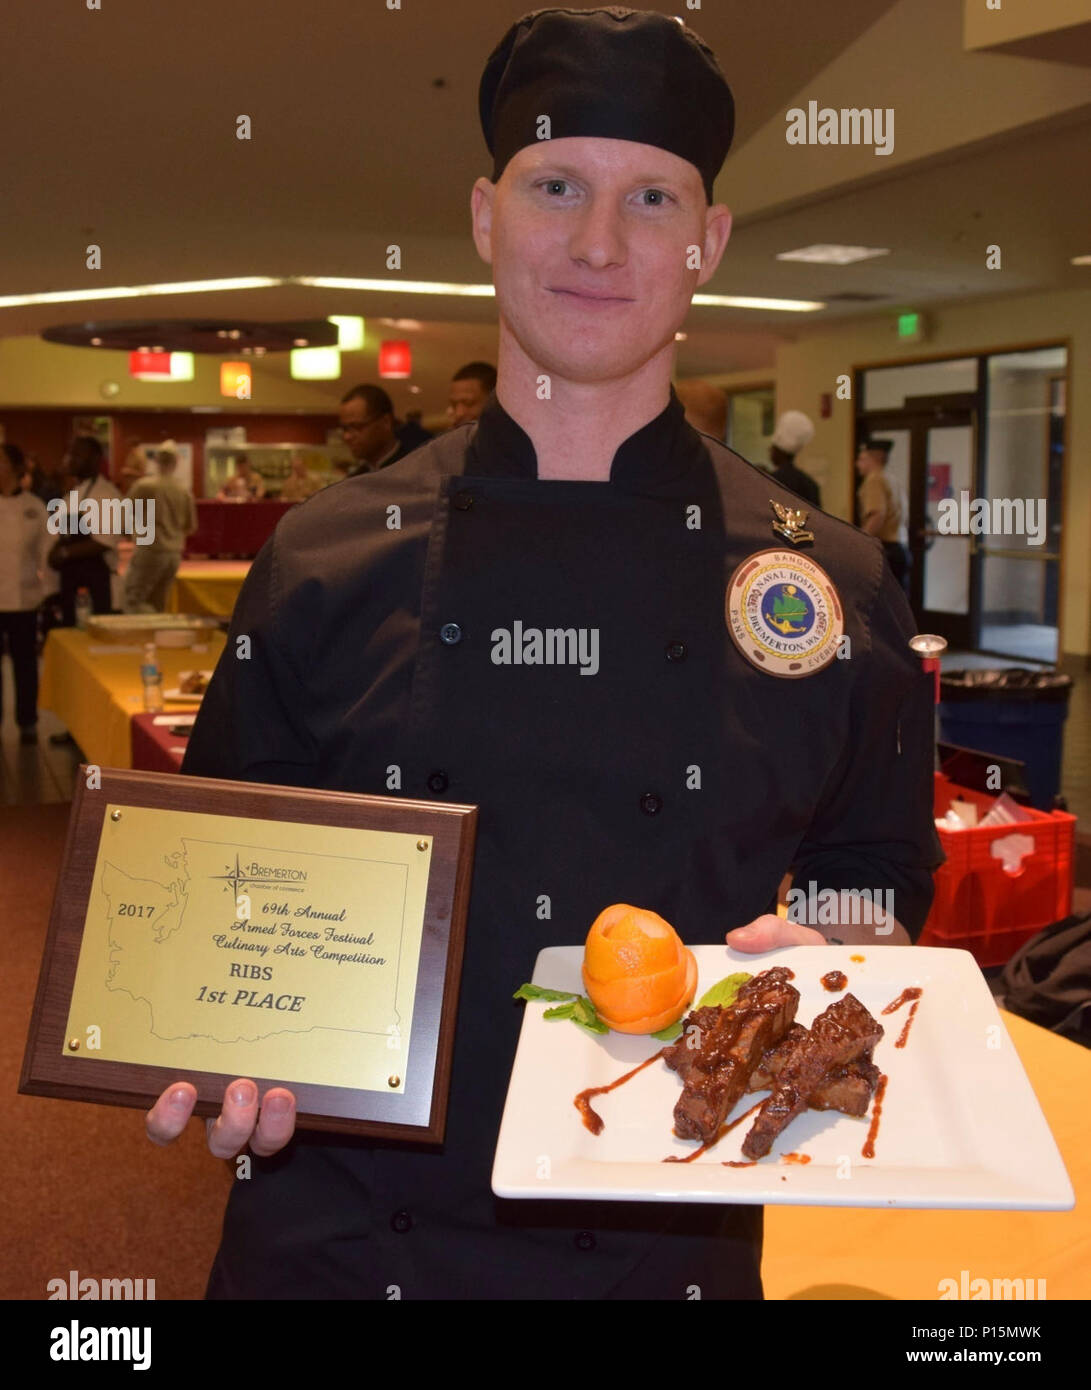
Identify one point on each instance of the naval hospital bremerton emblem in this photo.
(784, 613)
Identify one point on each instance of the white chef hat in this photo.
(794, 431)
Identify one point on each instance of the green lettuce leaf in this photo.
(583, 1013)
(540, 992)
(723, 992)
(561, 1010)
(577, 1007)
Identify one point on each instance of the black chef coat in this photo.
(371, 612)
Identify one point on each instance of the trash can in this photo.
(1013, 713)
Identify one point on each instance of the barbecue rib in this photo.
(848, 1088)
(844, 1033)
(715, 1063)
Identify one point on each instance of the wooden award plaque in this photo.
(204, 930)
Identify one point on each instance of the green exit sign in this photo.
(911, 327)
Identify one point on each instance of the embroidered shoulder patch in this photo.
(784, 614)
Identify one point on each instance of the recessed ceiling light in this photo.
(411, 324)
(1081, 260)
(300, 342)
(241, 282)
(384, 286)
(744, 301)
(680, 337)
(96, 342)
(826, 254)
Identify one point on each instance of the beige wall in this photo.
(809, 367)
(36, 373)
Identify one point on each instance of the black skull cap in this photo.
(614, 73)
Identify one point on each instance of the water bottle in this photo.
(152, 678)
(83, 608)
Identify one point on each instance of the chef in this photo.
(576, 614)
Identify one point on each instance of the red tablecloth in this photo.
(234, 528)
(155, 748)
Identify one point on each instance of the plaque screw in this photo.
(73, 1044)
(392, 1081)
(115, 815)
(422, 844)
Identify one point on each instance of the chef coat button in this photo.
(401, 1222)
(464, 501)
(651, 804)
(450, 633)
(585, 1240)
(676, 651)
(438, 781)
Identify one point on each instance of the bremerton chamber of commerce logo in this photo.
(784, 614)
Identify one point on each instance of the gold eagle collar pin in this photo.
(790, 523)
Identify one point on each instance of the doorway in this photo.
(933, 454)
(992, 428)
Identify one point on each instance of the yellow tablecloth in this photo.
(95, 688)
(209, 588)
(856, 1253)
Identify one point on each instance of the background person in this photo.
(367, 427)
(244, 485)
(44, 478)
(135, 465)
(794, 432)
(471, 386)
(23, 544)
(152, 567)
(300, 482)
(86, 559)
(883, 508)
(412, 433)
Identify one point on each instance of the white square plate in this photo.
(960, 1124)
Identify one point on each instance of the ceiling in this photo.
(117, 127)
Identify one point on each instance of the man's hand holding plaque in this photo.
(241, 1123)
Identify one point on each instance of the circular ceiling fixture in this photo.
(194, 335)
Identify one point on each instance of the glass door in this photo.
(948, 560)
(933, 458)
(1024, 470)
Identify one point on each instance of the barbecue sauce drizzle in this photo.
(724, 1129)
(834, 981)
(591, 1119)
(868, 1151)
(914, 994)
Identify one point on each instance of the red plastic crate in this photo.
(981, 906)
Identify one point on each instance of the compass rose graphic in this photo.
(233, 876)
